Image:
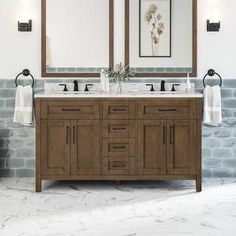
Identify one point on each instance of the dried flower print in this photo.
(153, 17)
(159, 16)
(148, 16)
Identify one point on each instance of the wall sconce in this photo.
(213, 27)
(25, 27)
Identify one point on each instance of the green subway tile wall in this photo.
(17, 143)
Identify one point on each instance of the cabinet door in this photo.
(55, 147)
(181, 147)
(152, 147)
(85, 147)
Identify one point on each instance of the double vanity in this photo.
(135, 135)
(106, 136)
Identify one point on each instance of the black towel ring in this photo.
(212, 72)
(25, 72)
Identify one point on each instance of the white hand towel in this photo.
(212, 114)
(24, 105)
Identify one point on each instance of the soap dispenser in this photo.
(103, 80)
(188, 85)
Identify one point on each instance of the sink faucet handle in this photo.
(65, 87)
(152, 88)
(86, 87)
(76, 87)
(173, 87)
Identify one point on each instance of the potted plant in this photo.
(119, 73)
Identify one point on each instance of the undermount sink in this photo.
(76, 92)
(164, 92)
(169, 92)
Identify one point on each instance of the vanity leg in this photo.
(117, 182)
(38, 185)
(198, 184)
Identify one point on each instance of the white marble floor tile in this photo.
(158, 208)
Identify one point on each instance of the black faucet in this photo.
(163, 85)
(76, 87)
(173, 87)
(65, 87)
(152, 88)
(86, 87)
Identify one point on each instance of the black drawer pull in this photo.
(119, 147)
(119, 109)
(167, 110)
(118, 166)
(122, 128)
(65, 109)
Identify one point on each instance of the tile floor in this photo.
(157, 208)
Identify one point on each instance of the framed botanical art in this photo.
(155, 28)
(161, 37)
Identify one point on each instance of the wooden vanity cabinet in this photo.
(152, 147)
(181, 148)
(167, 147)
(85, 148)
(68, 139)
(110, 139)
(70, 147)
(119, 138)
(55, 147)
(169, 142)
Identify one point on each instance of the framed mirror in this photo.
(77, 37)
(161, 37)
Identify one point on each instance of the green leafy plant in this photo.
(119, 73)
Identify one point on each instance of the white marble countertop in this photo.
(117, 95)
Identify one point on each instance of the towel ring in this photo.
(212, 72)
(25, 72)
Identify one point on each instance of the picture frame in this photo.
(155, 28)
(143, 67)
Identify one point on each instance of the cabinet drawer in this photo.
(119, 128)
(172, 109)
(119, 109)
(119, 147)
(118, 165)
(70, 109)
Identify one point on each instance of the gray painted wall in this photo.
(17, 143)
